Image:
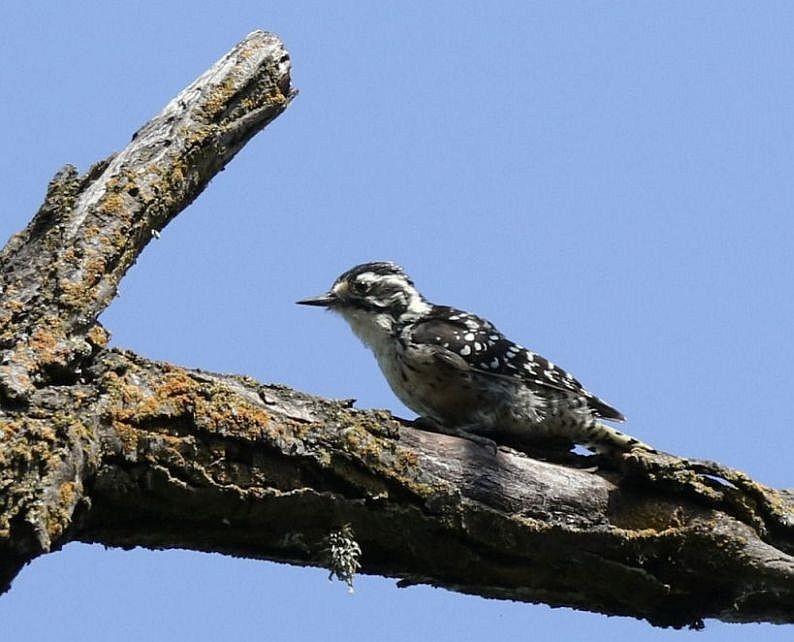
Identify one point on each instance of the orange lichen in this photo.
(70, 256)
(67, 493)
(406, 459)
(42, 340)
(177, 175)
(90, 232)
(113, 202)
(14, 305)
(128, 436)
(276, 99)
(58, 520)
(94, 270)
(72, 294)
(219, 97)
(47, 347)
(98, 336)
(176, 382)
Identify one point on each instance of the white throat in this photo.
(374, 329)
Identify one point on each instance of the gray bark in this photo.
(101, 445)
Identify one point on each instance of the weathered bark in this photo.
(101, 445)
(58, 274)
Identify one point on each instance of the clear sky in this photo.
(608, 182)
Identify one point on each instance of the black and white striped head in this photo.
(377, 289)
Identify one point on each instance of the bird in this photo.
(460, 374)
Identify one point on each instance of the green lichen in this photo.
(341, 554)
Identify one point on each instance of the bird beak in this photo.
(324, 300)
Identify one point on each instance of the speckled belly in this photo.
(446, 394)
(474, 401)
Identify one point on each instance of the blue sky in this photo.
(608, 182)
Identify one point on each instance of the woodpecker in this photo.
(460, 374)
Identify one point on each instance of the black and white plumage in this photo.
(459, 373)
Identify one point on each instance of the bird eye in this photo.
(359, 287)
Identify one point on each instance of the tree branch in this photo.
(64, 268)
(102, 445)
(58, 274)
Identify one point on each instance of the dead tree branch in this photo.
(101, 445)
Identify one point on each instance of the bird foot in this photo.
(431, 425)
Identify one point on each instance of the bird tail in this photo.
(599, 437)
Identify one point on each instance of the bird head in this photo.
(372, 294)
